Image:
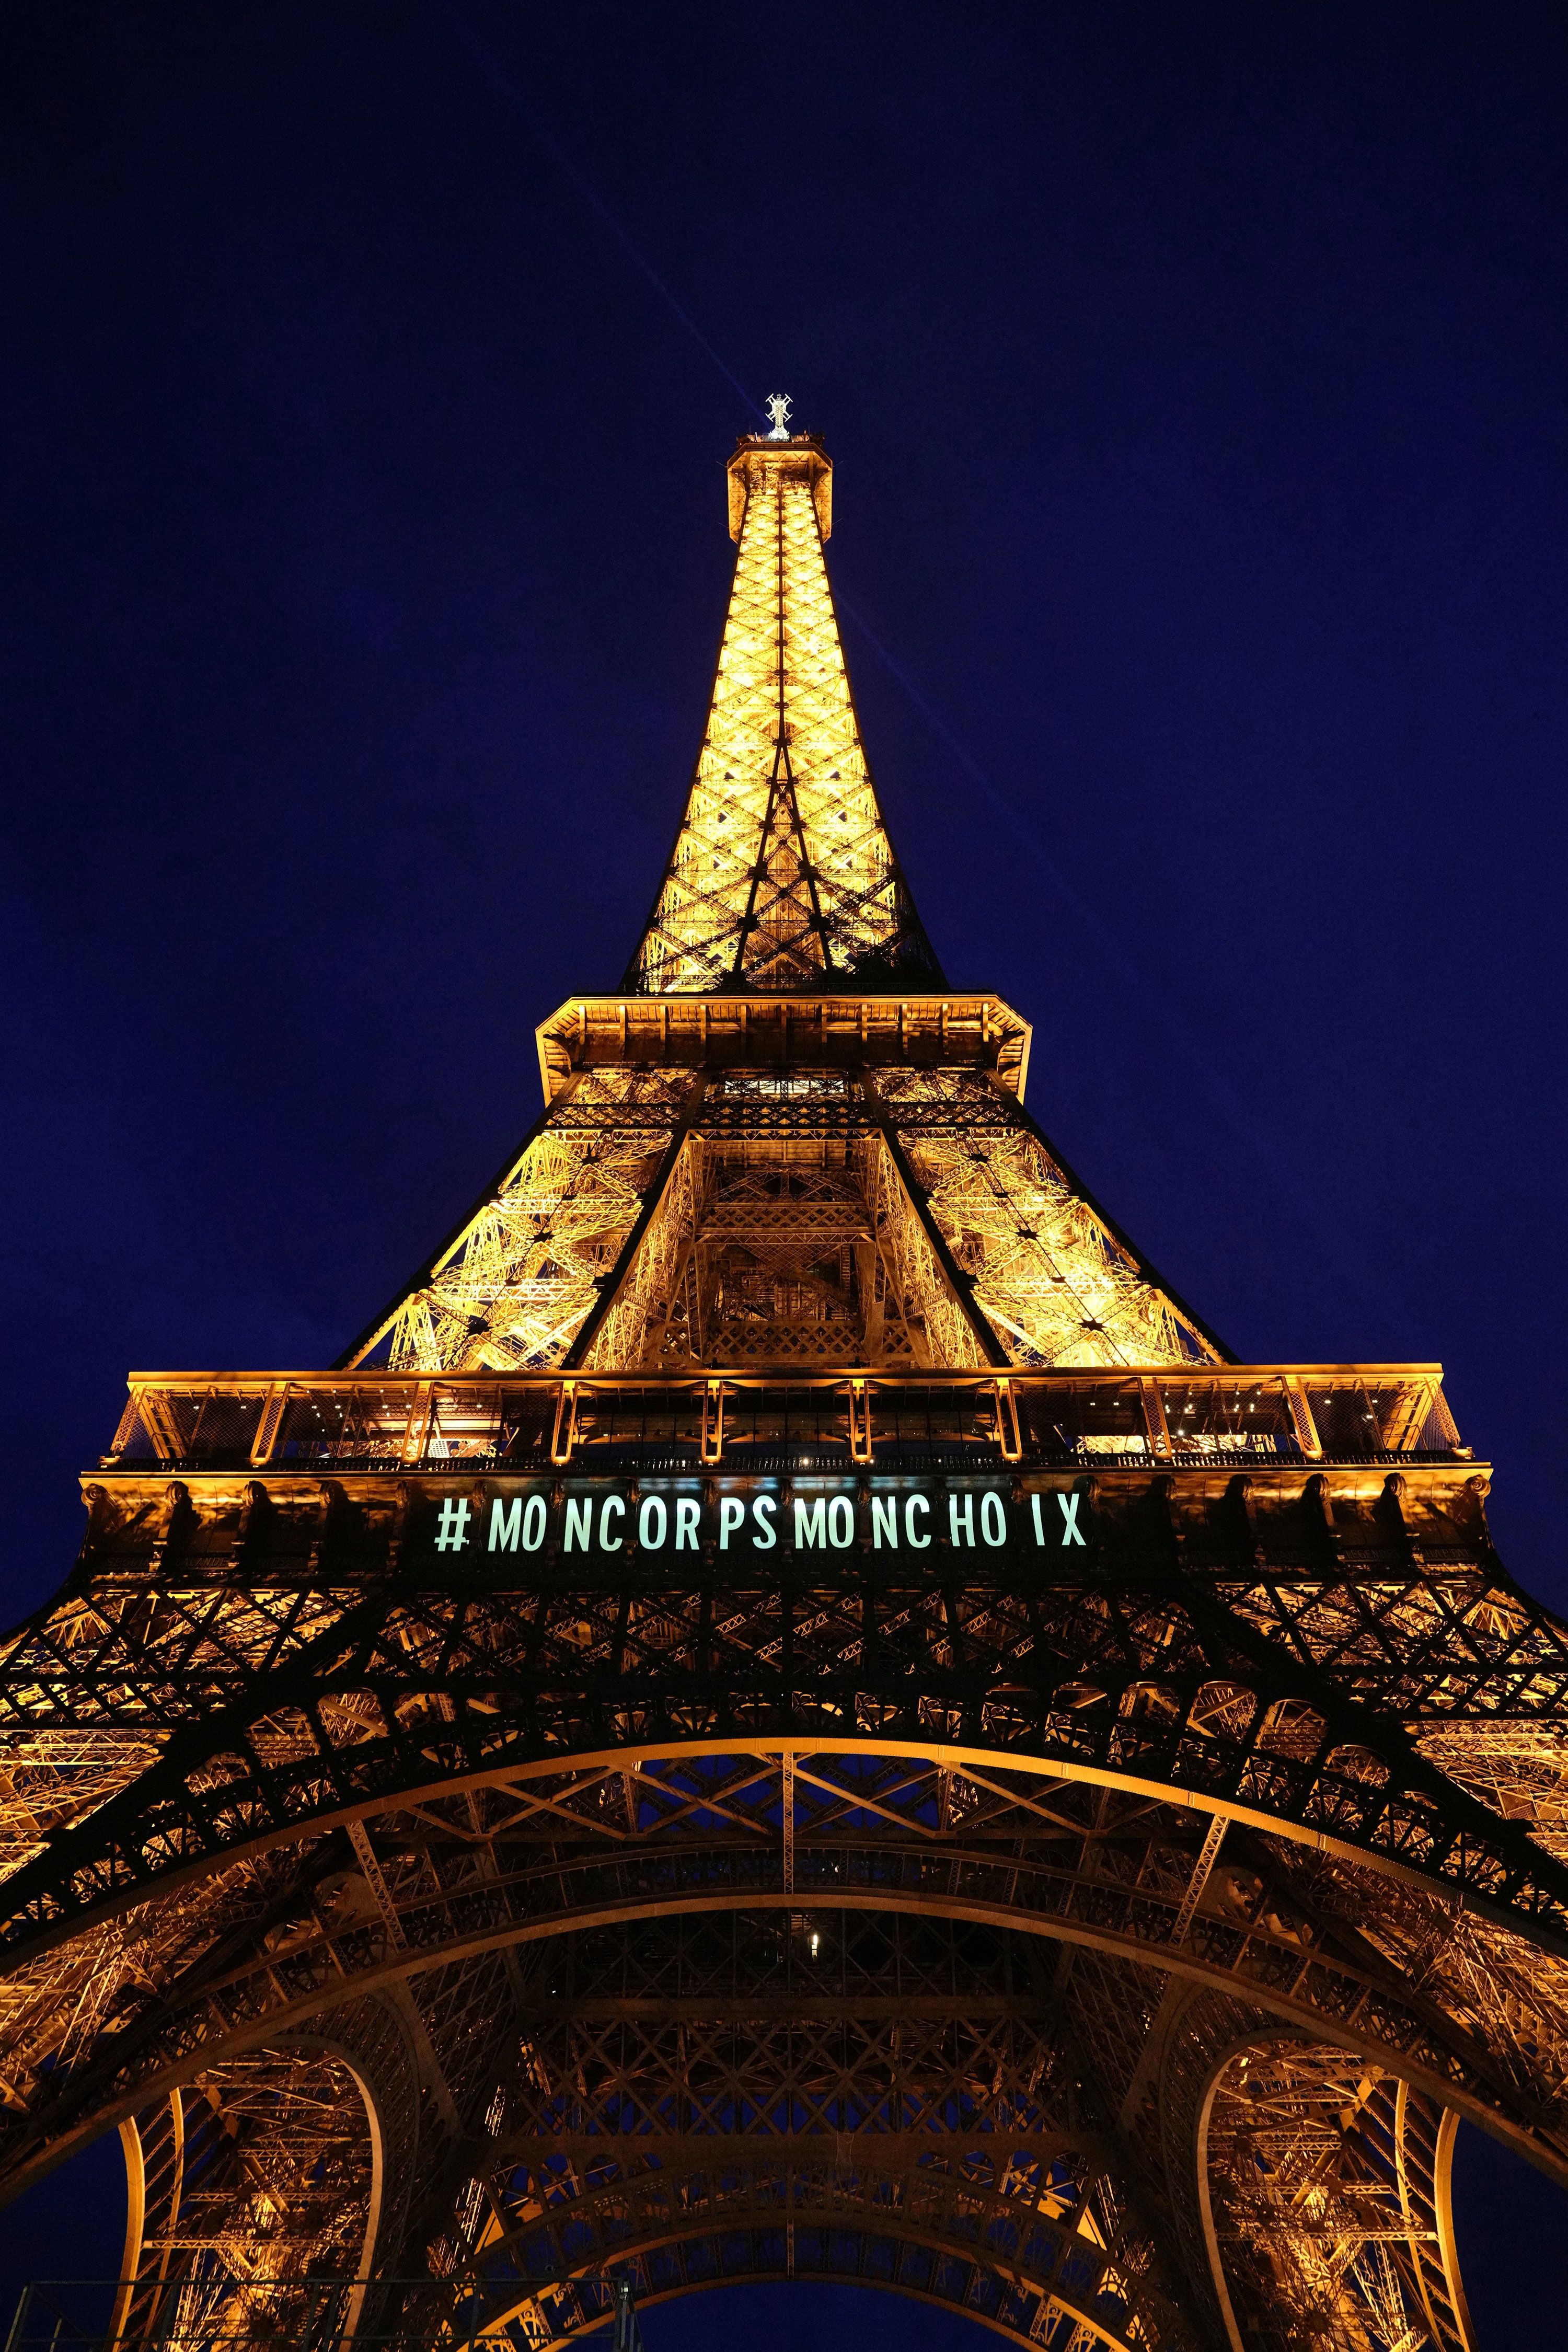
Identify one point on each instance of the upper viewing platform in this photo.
(761, 459)
(1231, 1419)
(826, 1030)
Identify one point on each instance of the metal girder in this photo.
(521, 1278)
(1045, 1278)
(1195, 1679)
(836, 1027)
(637, 1180)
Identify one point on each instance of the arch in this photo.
(834, 2079)
(629, 1833)
(518, 1690)
(1267, 1792)
(1018, 2224)
(757, 2245)
(281, 2145)
(1057, 2336)
(1181, 1890)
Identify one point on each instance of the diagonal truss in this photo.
(685, 2060)
(730, 1217)
(517, 1282)
(1053, 1284)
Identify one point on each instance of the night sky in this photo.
(1195, 380)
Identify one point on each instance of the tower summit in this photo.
(782, 875)
(786, 1710)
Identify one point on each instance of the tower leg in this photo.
(1311, 2189)
(266, 2194)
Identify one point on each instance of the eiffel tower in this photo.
(788, 1710)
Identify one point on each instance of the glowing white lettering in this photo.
(808, 1524)
(506, 1523)
(652, 1515)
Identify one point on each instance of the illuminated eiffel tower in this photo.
(788, 1710)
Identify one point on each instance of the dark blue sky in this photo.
(1195, 377)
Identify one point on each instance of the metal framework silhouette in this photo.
(788, 1710)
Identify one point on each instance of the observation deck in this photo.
(1232, 1419)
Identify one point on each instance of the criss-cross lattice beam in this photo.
(531, 1267)
(1045, 1278)
(244, 2183)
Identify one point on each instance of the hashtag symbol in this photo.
(449, 1535)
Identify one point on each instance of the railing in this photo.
(310, 1423)
(210, 2314)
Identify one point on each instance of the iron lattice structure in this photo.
(788, 1710)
